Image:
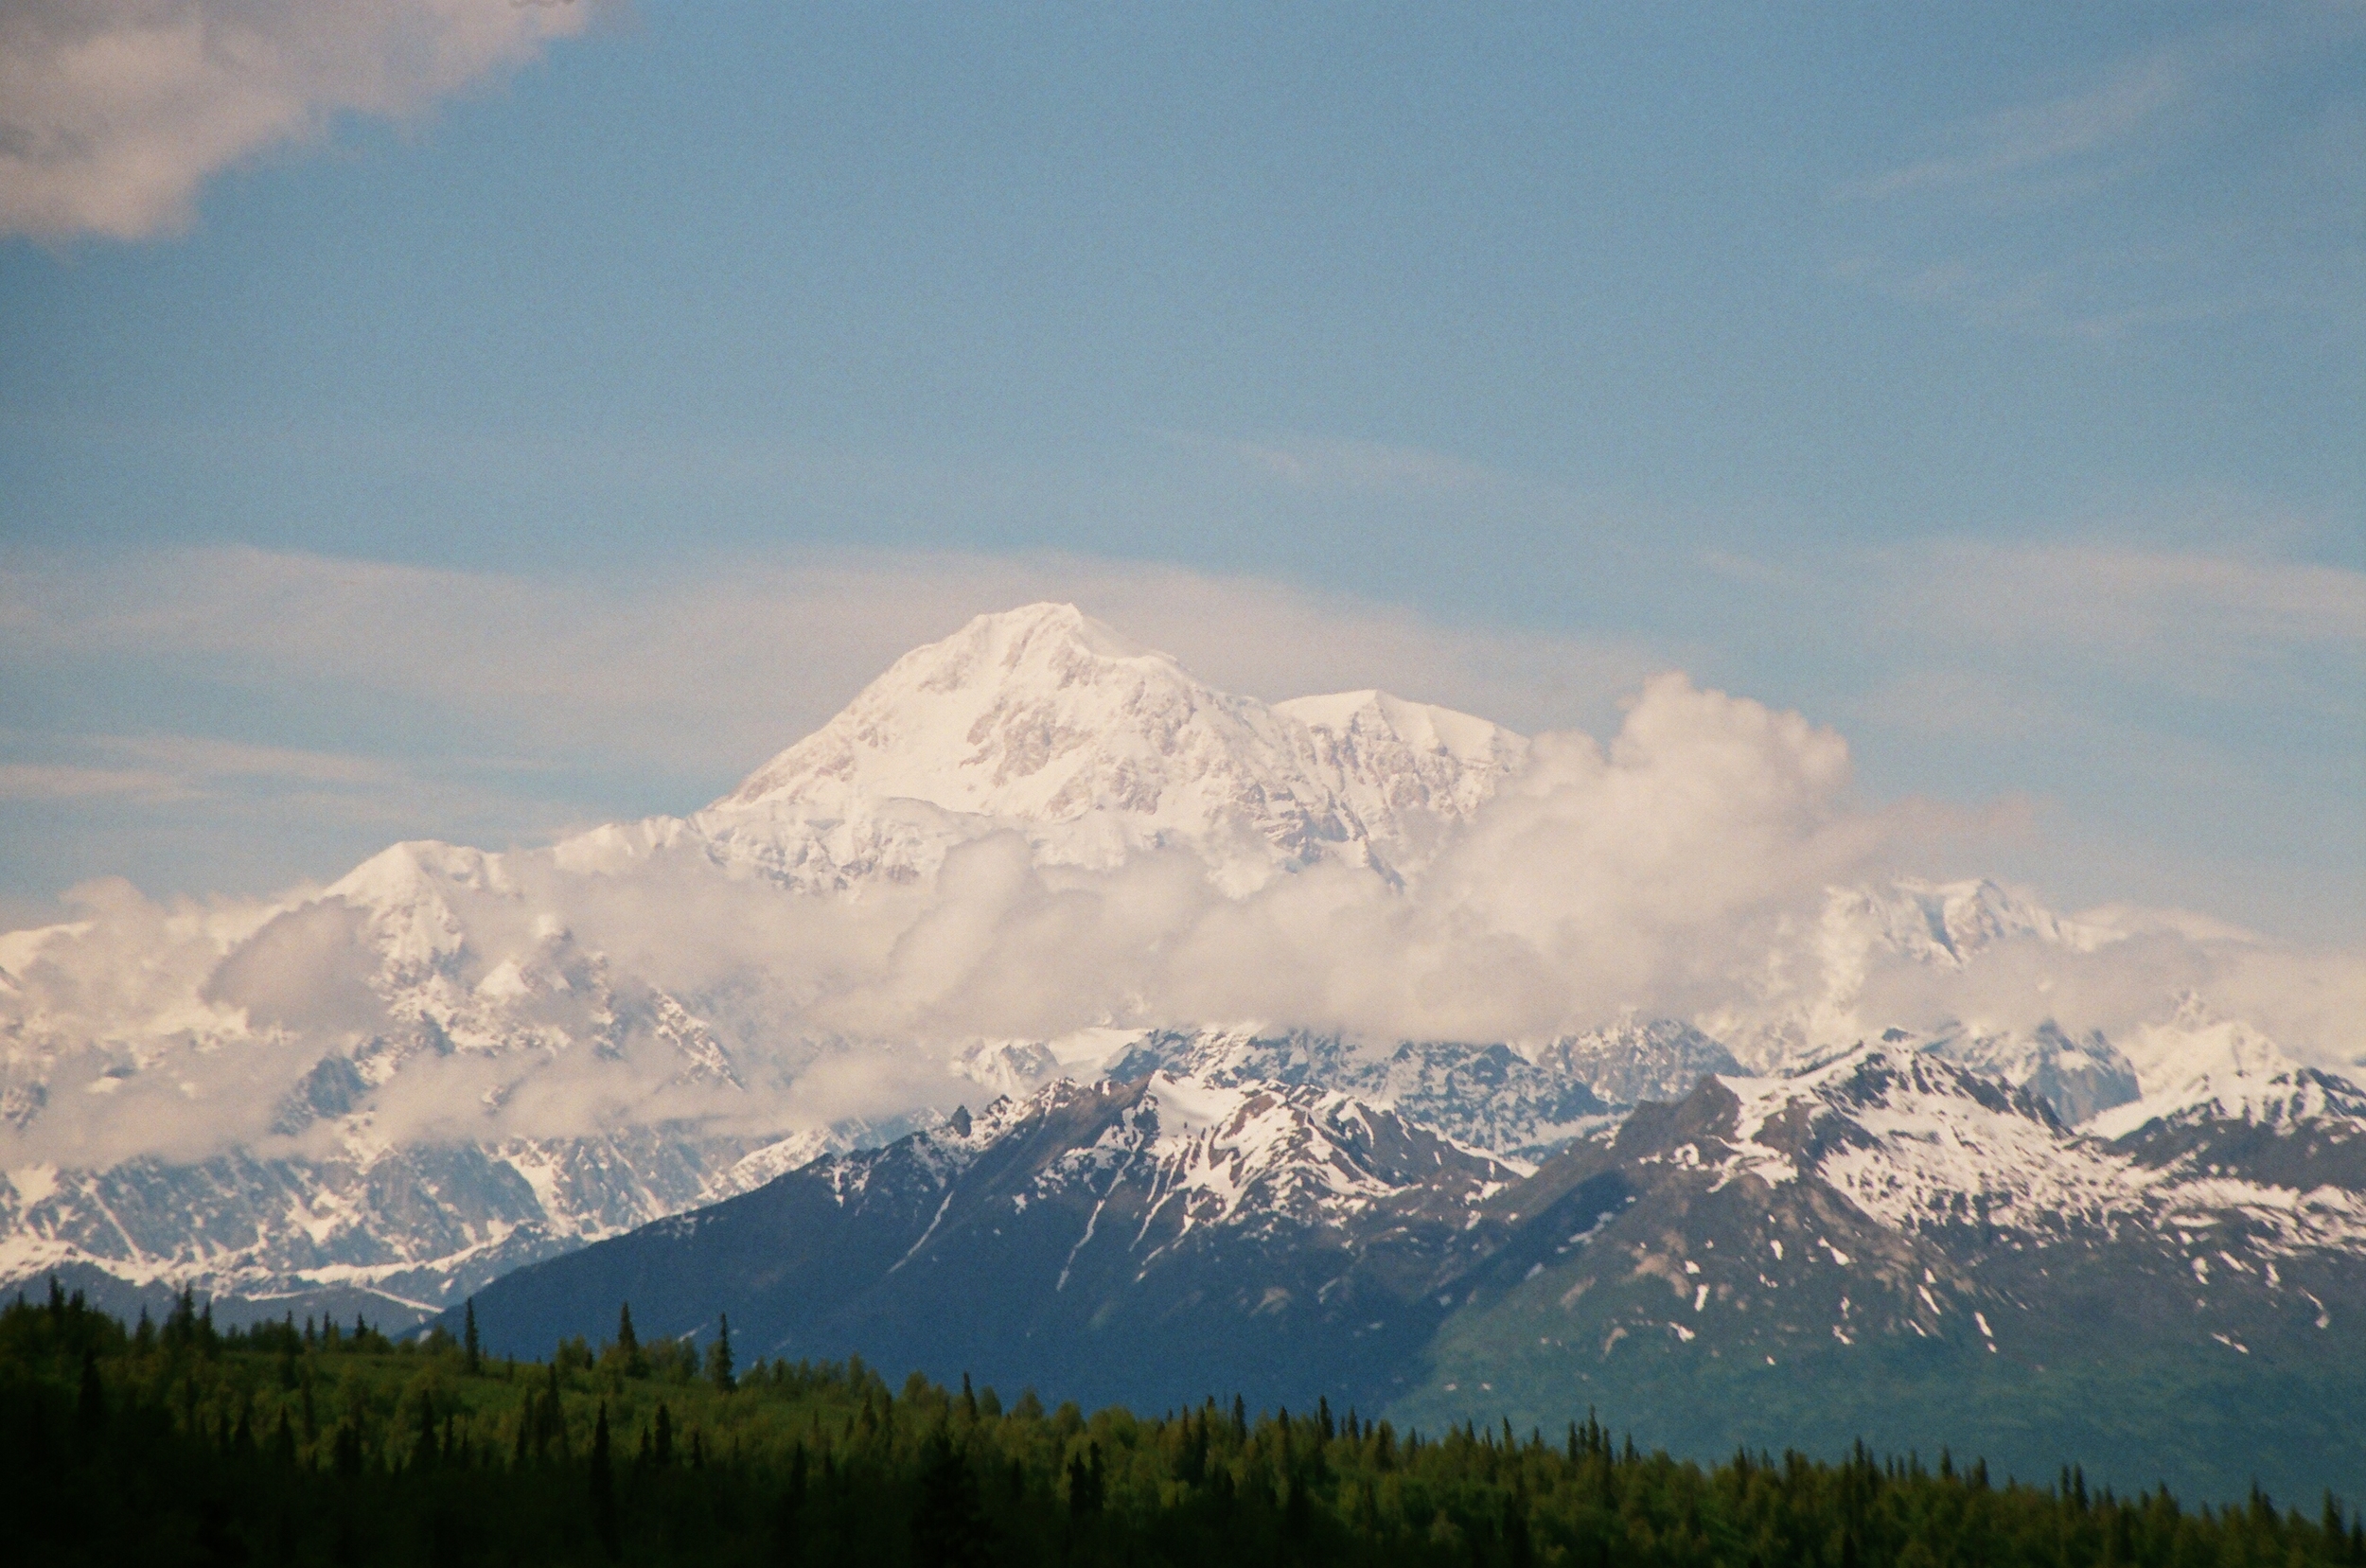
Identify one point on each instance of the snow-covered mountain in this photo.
(1895, 1247)
(1153, 1240)
(1882, 1216)
(1046, 722)
(451, 1060)
(1517, 1104)
(458, 978)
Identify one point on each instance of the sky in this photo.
(465, 419)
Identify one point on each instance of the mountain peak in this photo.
(1044, 719)
(1039, 713)
(1049, 619)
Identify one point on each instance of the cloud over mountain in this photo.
(1036, 827)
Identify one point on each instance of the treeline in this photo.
(286, 1443)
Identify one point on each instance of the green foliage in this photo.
(279, 1445)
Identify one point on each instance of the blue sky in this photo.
(553, 437)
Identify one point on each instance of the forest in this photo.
(319, 1442)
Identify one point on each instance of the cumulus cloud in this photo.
(1648, 873)
(115, 113)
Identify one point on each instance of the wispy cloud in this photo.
(115, 113)
(2104, 209)
(2172, 611)
(112, 773)
(73, 781)
(2130, 103)
(1366, 466)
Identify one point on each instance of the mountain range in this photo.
(928, 1041)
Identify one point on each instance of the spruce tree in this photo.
(719, 1357)
(949, 1527)
(470, 1344)
(603, 1487)
(90, 1406)
(629, 1359)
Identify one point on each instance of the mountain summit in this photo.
(1045, 720)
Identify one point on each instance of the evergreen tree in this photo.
(788, 1516)
(470, 1344)
(90, 1404)
(1085, 1483)
(198, 1459)
(626, 1356)
(719, 1357)
(949, 1527)
(347, 1456)
(603, 1487)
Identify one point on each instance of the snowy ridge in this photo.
(2077, 1077)
(2289, 1103)
(1811, 1000)
(1923, 1146)
(1514, 1106)
(1918, 1143)
(1230, 1152)
(1949, 923)
(414, 1224)
(1202, 1153)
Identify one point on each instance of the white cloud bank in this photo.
(115, 113)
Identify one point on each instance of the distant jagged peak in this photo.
(416, 868)
(2080, 1075)
(2193, 1064)
(1370, 716)
(1949, 923)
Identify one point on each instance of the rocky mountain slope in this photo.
(1151, 1240)
(1887, 1244)
(1893, 1246)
